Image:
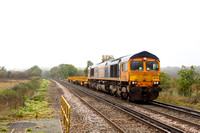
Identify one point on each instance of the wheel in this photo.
(124, 95)
(128, 99)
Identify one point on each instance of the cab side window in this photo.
(124, 67)
(92, 72)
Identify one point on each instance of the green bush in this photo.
(44, 84)
(3, 129)
(188, 76)
(39, 97)
(28, 129)
(30, 108)
(8, 96)
(20, 114)
(35, 82)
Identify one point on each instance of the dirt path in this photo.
(55, 96)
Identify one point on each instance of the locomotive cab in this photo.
(144, 78)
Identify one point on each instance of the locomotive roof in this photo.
(125, 59)
(144, 54)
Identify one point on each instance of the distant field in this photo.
(6, 83)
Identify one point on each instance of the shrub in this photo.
(28, 129)
(20, 114)
(16, 95)
(35, 83)
(186, 80)
(8, 96)
(39, 97)
(3, 129)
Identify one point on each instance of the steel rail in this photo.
(144, 118)
(172, 117)
(177, 108)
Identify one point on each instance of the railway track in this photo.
(177, 108)
(162, 127)
(119, 119)
(99, 112)
(194, 124)
(174, 118)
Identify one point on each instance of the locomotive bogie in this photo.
(144, 93)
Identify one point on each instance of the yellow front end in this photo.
(144, 78)
(144, 72)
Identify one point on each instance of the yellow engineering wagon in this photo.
(78, 80)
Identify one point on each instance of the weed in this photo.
(44, 84)
(28, 129)
(43, 90)
(3, 129)
(31, 109)
(20, 114)
(39, 97)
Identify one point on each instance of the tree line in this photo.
(60, 71)
(65, 70)
(34, 71)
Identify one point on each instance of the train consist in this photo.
(133, 77)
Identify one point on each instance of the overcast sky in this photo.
(48, 33)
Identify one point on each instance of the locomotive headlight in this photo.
(134, 82)
(156, 83)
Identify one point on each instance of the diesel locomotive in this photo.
(132, 77)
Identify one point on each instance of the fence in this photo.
(65, 114)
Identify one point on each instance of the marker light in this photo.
(156, 83)
(134, 82)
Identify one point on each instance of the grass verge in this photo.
(172, 97)
(36, 106)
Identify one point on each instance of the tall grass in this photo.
(15, 96)
(172, 97)
(7, 83)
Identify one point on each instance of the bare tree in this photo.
(107, 57)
